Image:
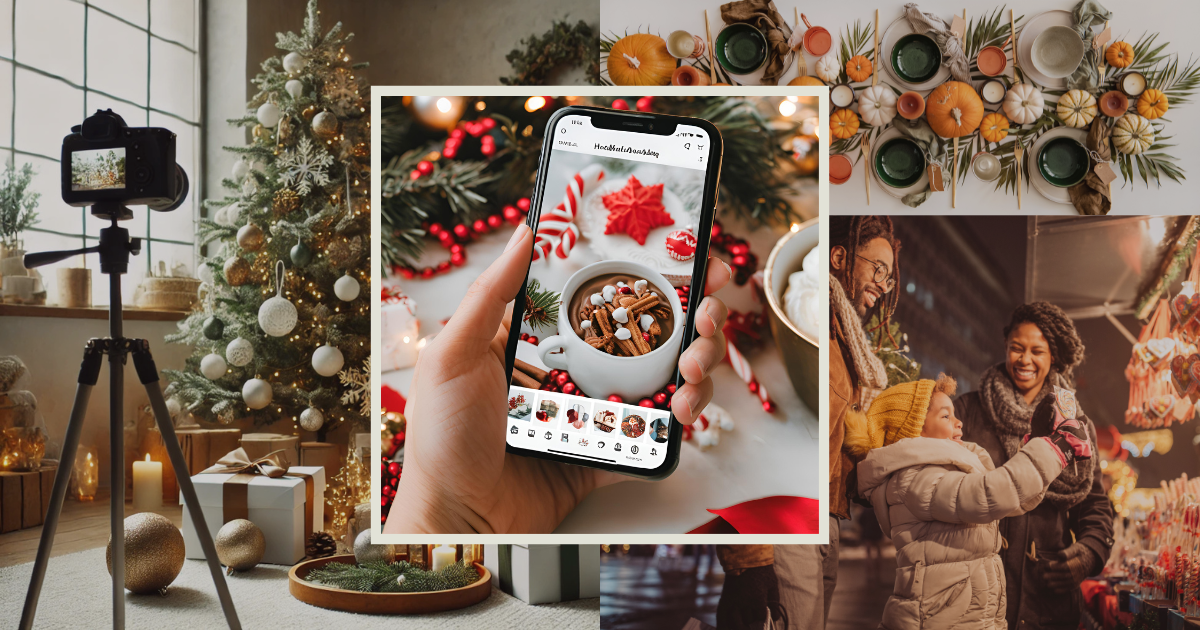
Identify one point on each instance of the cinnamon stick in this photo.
(524, 380)
(531, 370)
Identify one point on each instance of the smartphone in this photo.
(622, 213)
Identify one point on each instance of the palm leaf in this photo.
(854, 43)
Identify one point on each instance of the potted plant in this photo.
(17, 213)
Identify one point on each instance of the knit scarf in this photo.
(872, 376)
(1010, 415)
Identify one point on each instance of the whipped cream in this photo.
(801, 300)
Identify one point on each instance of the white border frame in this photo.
(377, 535)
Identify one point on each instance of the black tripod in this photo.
(115, 248)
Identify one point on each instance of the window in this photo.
(60, 61)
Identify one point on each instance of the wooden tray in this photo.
(383, 603)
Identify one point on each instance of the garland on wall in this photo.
(562, 46)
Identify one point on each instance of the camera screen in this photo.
(98, 169)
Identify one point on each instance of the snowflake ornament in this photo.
(358, 387)
(305, 167)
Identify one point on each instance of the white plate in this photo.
(1029, 32)
(887, 42)
(898, 193)
(1048, 190)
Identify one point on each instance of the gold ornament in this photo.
(286, 130)
(260, 131)
(240, 545)
(153, 553)
(250, 237)
(237, 271)
(309, 112)
(362, 151)
(325, 125)
(285, 202)
(365, 552)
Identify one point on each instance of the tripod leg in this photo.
(88, 374)
(116, 476)
(148, 374)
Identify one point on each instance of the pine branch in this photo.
(563, 45)
(381, 577)
(541, 305)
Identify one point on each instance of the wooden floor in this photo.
(81, 526)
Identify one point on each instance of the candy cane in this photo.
(556, 228)
(742, 367)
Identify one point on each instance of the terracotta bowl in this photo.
(840, 169)
(1114, 104)
(910, 105)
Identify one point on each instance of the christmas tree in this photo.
(891, 346)
(287, 309)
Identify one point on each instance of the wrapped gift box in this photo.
(262, 444)
(541, 574)
(400, 330)
(25, 497)
(201, 448)
(277, 505)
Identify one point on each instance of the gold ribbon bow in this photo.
(235, 501)
(238, 462)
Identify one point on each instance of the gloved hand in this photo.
(1066, 569)
(744, 599)
(1042, 422)
(1071, 438)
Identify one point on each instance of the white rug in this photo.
(77, 594)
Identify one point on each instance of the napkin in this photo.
(936, 27)
(1088, 13)
(919, 131)
(1091, 196)
(762, 15)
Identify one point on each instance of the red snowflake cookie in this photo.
(635, 210)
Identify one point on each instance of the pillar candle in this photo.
(147, 485)
(443, 556)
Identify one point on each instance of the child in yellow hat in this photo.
(940, 498)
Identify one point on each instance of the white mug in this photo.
(598, 373)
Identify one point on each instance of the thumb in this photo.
(475, 320)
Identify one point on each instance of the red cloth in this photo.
(392, 400)
(769, 515)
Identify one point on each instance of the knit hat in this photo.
(897, 413)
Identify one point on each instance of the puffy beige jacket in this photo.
(941, 500)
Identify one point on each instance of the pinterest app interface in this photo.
(608, 287)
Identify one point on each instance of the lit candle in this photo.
(443, 556)
(147, 485)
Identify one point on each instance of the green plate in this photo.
(1063, 162)
(899, 162)
(741, 48)
(916, 58)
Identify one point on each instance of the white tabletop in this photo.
(1175, 23)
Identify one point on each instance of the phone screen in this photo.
(615, 254)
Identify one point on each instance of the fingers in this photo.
(691, 399)
(710, 317)
(698, 361)
(719, 275)
(474, 322)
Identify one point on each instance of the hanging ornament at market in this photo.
(154, 553)
(213, 366)
(325, 125)
(346, 288)
(311, 419)
(277, 316)
(237, 271)
(240, 545)
(327, 360)
(257, 393)
(240, 352)
(214, 328)
(300, 254)
(365, 552)
(294, 87)
(240, 168)
(268, 114)
(250, 237)
(439, 112)
(294, 63)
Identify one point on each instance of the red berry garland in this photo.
(455, 238)
(743, 262)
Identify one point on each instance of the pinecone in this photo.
(320, 545)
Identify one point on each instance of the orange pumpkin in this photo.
(994, 127)
(806, 81)
(1119, 55)
(953, 109)
(843, 124)
(640, 59)
(858, 68)
(1152, 104)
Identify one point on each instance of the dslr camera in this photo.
(107, 164)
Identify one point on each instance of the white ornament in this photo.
(240, 352)
(327, 360)
(311, 419)
(277, 316)
(346, 288)
(293, 63)
(249, 187)
(623, 334)
(294, 87)
(257, 393)
(621, 315)
(205, 273)
(212, 366)
(240, 168)
(269, 114)
(305, 167)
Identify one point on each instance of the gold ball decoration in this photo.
(250, 237)
(365, 552)
(325, 125)
(240, 545)
(237, 271)
(260, 131)
(309, 112)
(153, 553)
(285, 202)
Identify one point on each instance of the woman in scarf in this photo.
(1051, 549)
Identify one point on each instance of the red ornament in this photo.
(445, 238)
(620, 104)
(511, 214)
(407, 272)
(435, 228)
(456, 134)
(681, 245)
(488, 124)
(635, 210)
(562, 379)
(643, 104)
(414, 175)
(443, 266)
(568, 389)
(671, 388)
(739, 249)
(523, 204)
(494, 221)
(739, 261)
(394, 468)
(453, 143)
(427, 273)
(716, 230)
(480, 226)
(553, 373)
(487, 148)
(660, 398)
(450, 152)
(458, 259)
(425, 167)
(394, 482)
(524, 336)
(615, 398)
(533, 340)
(646, 402)
(456, 248)
(462, 231)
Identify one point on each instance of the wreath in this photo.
(562, 45)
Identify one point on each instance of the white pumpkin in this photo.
(828, 68)
(1132, 134)
(1024, 103)
(877, 105)
(1077, 108)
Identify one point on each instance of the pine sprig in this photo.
(563, 45)
(381, 577)
(541, 305)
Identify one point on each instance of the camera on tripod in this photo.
(107, 164)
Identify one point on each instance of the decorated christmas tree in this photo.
(891, 346)
(284, 328)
